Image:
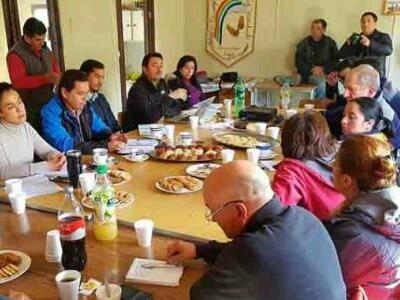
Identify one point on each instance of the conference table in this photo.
(175, 216)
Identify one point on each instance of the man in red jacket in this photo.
(33, 69)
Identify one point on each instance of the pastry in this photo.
(9, 264)
(179, 183)
(189, 153)
(117, 176)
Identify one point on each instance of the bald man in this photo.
(276, 252)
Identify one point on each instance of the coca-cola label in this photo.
(72, 227)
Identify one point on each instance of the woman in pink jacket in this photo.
(304, 177)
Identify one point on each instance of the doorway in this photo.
(16, 12)
(135, 39)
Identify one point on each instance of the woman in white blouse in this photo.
(19, 141)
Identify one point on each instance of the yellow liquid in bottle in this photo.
(106, 231)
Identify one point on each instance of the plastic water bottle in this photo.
(285, 96)
(240, 93)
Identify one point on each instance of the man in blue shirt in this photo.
(95, 72)
(68, 123)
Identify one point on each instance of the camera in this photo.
(355, 38)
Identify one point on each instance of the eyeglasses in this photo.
(211, 213)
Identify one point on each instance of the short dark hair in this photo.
(34, 27)
(89, 65)
(345, 63)
(323, 23)
(5, 87)
(148, 56)
(370, 13)
(306, 136)
(69, 78)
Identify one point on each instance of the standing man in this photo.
(33, 69)
(315, 55)
(148, 99)
(369, 43)
(95, 72)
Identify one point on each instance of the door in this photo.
(16, 12)
(135, 39)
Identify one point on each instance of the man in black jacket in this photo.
(277, 252)
(369, 43)
(315, 55)
(95, 72)
(148, 98)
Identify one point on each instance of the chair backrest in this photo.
(358, 294)
(122, 119)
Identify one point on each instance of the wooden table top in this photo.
(27, 233)
(174, 215)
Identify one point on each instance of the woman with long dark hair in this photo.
(365, 116)
(185, 77)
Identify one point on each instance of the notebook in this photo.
(160, 274)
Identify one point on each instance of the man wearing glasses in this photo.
(276, 251)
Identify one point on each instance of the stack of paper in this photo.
(38, 185)
(156, 272)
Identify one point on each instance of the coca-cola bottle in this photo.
(72, 232)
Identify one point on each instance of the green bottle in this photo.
(240, 93)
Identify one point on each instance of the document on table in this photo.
(141, 145)
(156, 272)
(38, 185)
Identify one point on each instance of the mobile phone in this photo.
(131, 293)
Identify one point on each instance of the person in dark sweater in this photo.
(362, 81)
(95, 71)
(148, 99)
(185, 77)
(369, 43)
(315, 55)
(276, 251)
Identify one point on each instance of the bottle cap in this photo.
(102, 169)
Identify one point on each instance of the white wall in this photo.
(169, 17)
(280, 24)
(89, 30)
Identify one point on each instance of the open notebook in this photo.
(157, 272)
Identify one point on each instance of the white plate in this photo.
(144, 158)
(87, 202)
(23, 267)
(183, 191)
(193, 170)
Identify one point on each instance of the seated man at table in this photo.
(315, 55)
(369, 43)
(95, 71)
(276, 251)
(148, 98)
(68, 123)
(362, 81)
